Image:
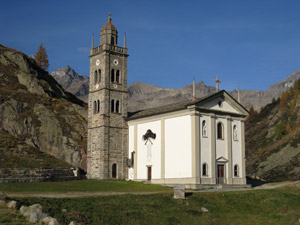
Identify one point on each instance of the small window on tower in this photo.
(112, 40)
(114, 171)
(95, 77)
(112, 75)
(117, 106)
(118, 76)
(112, 105)
(95, 107)
(98, 106)
(99, 76)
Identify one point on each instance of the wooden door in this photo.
(149, 172)
(220, 174)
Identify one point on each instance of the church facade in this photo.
(196, 142)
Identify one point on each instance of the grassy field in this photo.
(277, 206)
(11, 217)
(82, 186)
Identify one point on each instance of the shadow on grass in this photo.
(188, 194)
(255, 182)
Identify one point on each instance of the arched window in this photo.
(235, 133)
(95, 107)
(95, 77)
(99, 76)
(114, 171)
(117, 106)
(204, 129)
(98, 106)
(112, 106)
(204, 169)
(236, 170)
(112, 40)
(220, 131)
(118, 76)
(112, 78)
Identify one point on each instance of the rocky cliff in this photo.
(142, 96)
(272, 138)
(37, 112)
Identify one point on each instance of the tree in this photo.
(41, 57)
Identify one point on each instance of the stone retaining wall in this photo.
(8, 175)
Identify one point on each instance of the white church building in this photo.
(196, 142)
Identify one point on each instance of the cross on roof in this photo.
(218, 82)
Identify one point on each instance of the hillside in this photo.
(273, 138)
(36, 112)
(142, 96)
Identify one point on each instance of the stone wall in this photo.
(8, 175)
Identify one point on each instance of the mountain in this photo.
(142, 96)
(72, 82)
(272, 138)
(37, 115)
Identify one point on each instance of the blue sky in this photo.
(249, 44)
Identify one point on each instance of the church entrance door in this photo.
(149, 173)
(220, 174)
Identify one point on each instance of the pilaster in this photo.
(163, 149)
(136, 152)
(243, 151)
(213, 147)
(195, 120)
(229, 150)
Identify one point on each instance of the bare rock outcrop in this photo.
(35, 109)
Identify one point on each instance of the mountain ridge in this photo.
(142, 96)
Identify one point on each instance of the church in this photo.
(197, 142)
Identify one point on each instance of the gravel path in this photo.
(90, 194)
(77, 194)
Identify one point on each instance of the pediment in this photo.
(222, 159)
(222, 102)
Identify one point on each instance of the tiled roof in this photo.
(166, 108)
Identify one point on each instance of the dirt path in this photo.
(77, 194)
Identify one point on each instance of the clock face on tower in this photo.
(97, 62)
(116, 62)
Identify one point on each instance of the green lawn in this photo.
(11, 217)
(278, 206)
(82, 186)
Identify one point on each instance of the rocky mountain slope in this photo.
(142, 96)
(36, 112)
(72, 82)
(273, 138)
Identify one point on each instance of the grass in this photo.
(279, 206)
(81, 186)
(11, 217)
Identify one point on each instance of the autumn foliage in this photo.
(41, 57)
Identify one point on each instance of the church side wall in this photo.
(178, 149)
(131, 149)
(149, 152)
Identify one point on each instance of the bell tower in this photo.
(107, 107)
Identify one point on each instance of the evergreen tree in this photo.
(41, 57)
